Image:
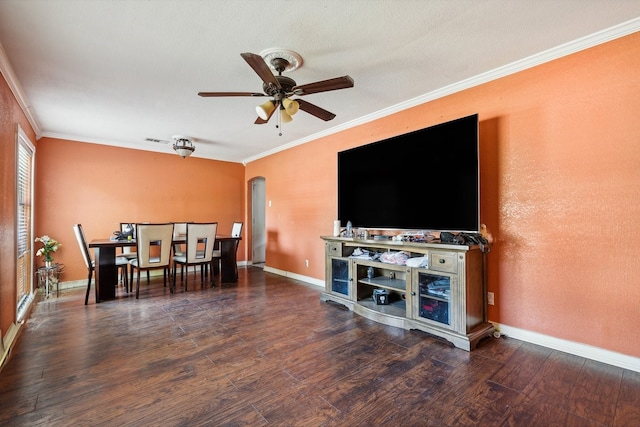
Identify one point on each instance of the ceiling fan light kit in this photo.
(183, 145)
(265, 110)
(284, 116)
(291, 106)
(280, 88)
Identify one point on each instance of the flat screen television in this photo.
(423, 180)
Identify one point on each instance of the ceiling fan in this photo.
(280, 88)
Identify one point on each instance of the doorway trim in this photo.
(257, 187)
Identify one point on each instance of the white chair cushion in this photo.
(152, 260)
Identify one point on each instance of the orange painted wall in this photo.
(10, 116)
(100, 186)
(560, 179)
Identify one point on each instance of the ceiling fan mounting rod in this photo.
(280, 64)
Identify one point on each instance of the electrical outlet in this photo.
(306, 263)
(490, 298)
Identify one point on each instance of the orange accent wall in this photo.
(100, 186)
(10, 117)
(560, 180)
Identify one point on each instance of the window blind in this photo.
(24, 191)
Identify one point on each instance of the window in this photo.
(24, 232)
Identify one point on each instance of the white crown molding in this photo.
(578, 45)
(16, 88)
(578, 349)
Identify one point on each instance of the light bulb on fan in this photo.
(284, 116)
(291, 106)
(265, 110)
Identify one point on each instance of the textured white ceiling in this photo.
(118, 72)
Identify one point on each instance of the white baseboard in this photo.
(72, 284)
(587, 351)
(8, 341)
(306, 279)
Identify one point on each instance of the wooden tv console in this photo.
(445, 298)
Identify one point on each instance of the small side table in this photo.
(48, 277)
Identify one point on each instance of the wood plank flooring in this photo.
(268, 352)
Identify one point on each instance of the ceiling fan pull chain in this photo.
(279, 122)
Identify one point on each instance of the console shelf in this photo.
(386, 283)
(397, 308)
(446, 298)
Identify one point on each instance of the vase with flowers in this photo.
(49, 247)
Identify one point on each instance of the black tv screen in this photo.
(423, 180)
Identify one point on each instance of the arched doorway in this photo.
(258, 222)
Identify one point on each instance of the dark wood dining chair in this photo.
(200, 242)
(153, 250)
(121, 263)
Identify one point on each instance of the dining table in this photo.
(106, 271)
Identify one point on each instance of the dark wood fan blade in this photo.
(315, 110)
(261, 68)
(324, 86)
(215, 94)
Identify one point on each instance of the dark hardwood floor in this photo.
(268, 352)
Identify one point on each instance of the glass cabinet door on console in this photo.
(435, 297)
(338, 271)
(340, 276)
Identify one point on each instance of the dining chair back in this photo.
(153, 245)
(179, 229)
(121, 262)
(153, 249)
(236, 229)
(82, 242)
(200, 242)
(201, 238)
(84, 249)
